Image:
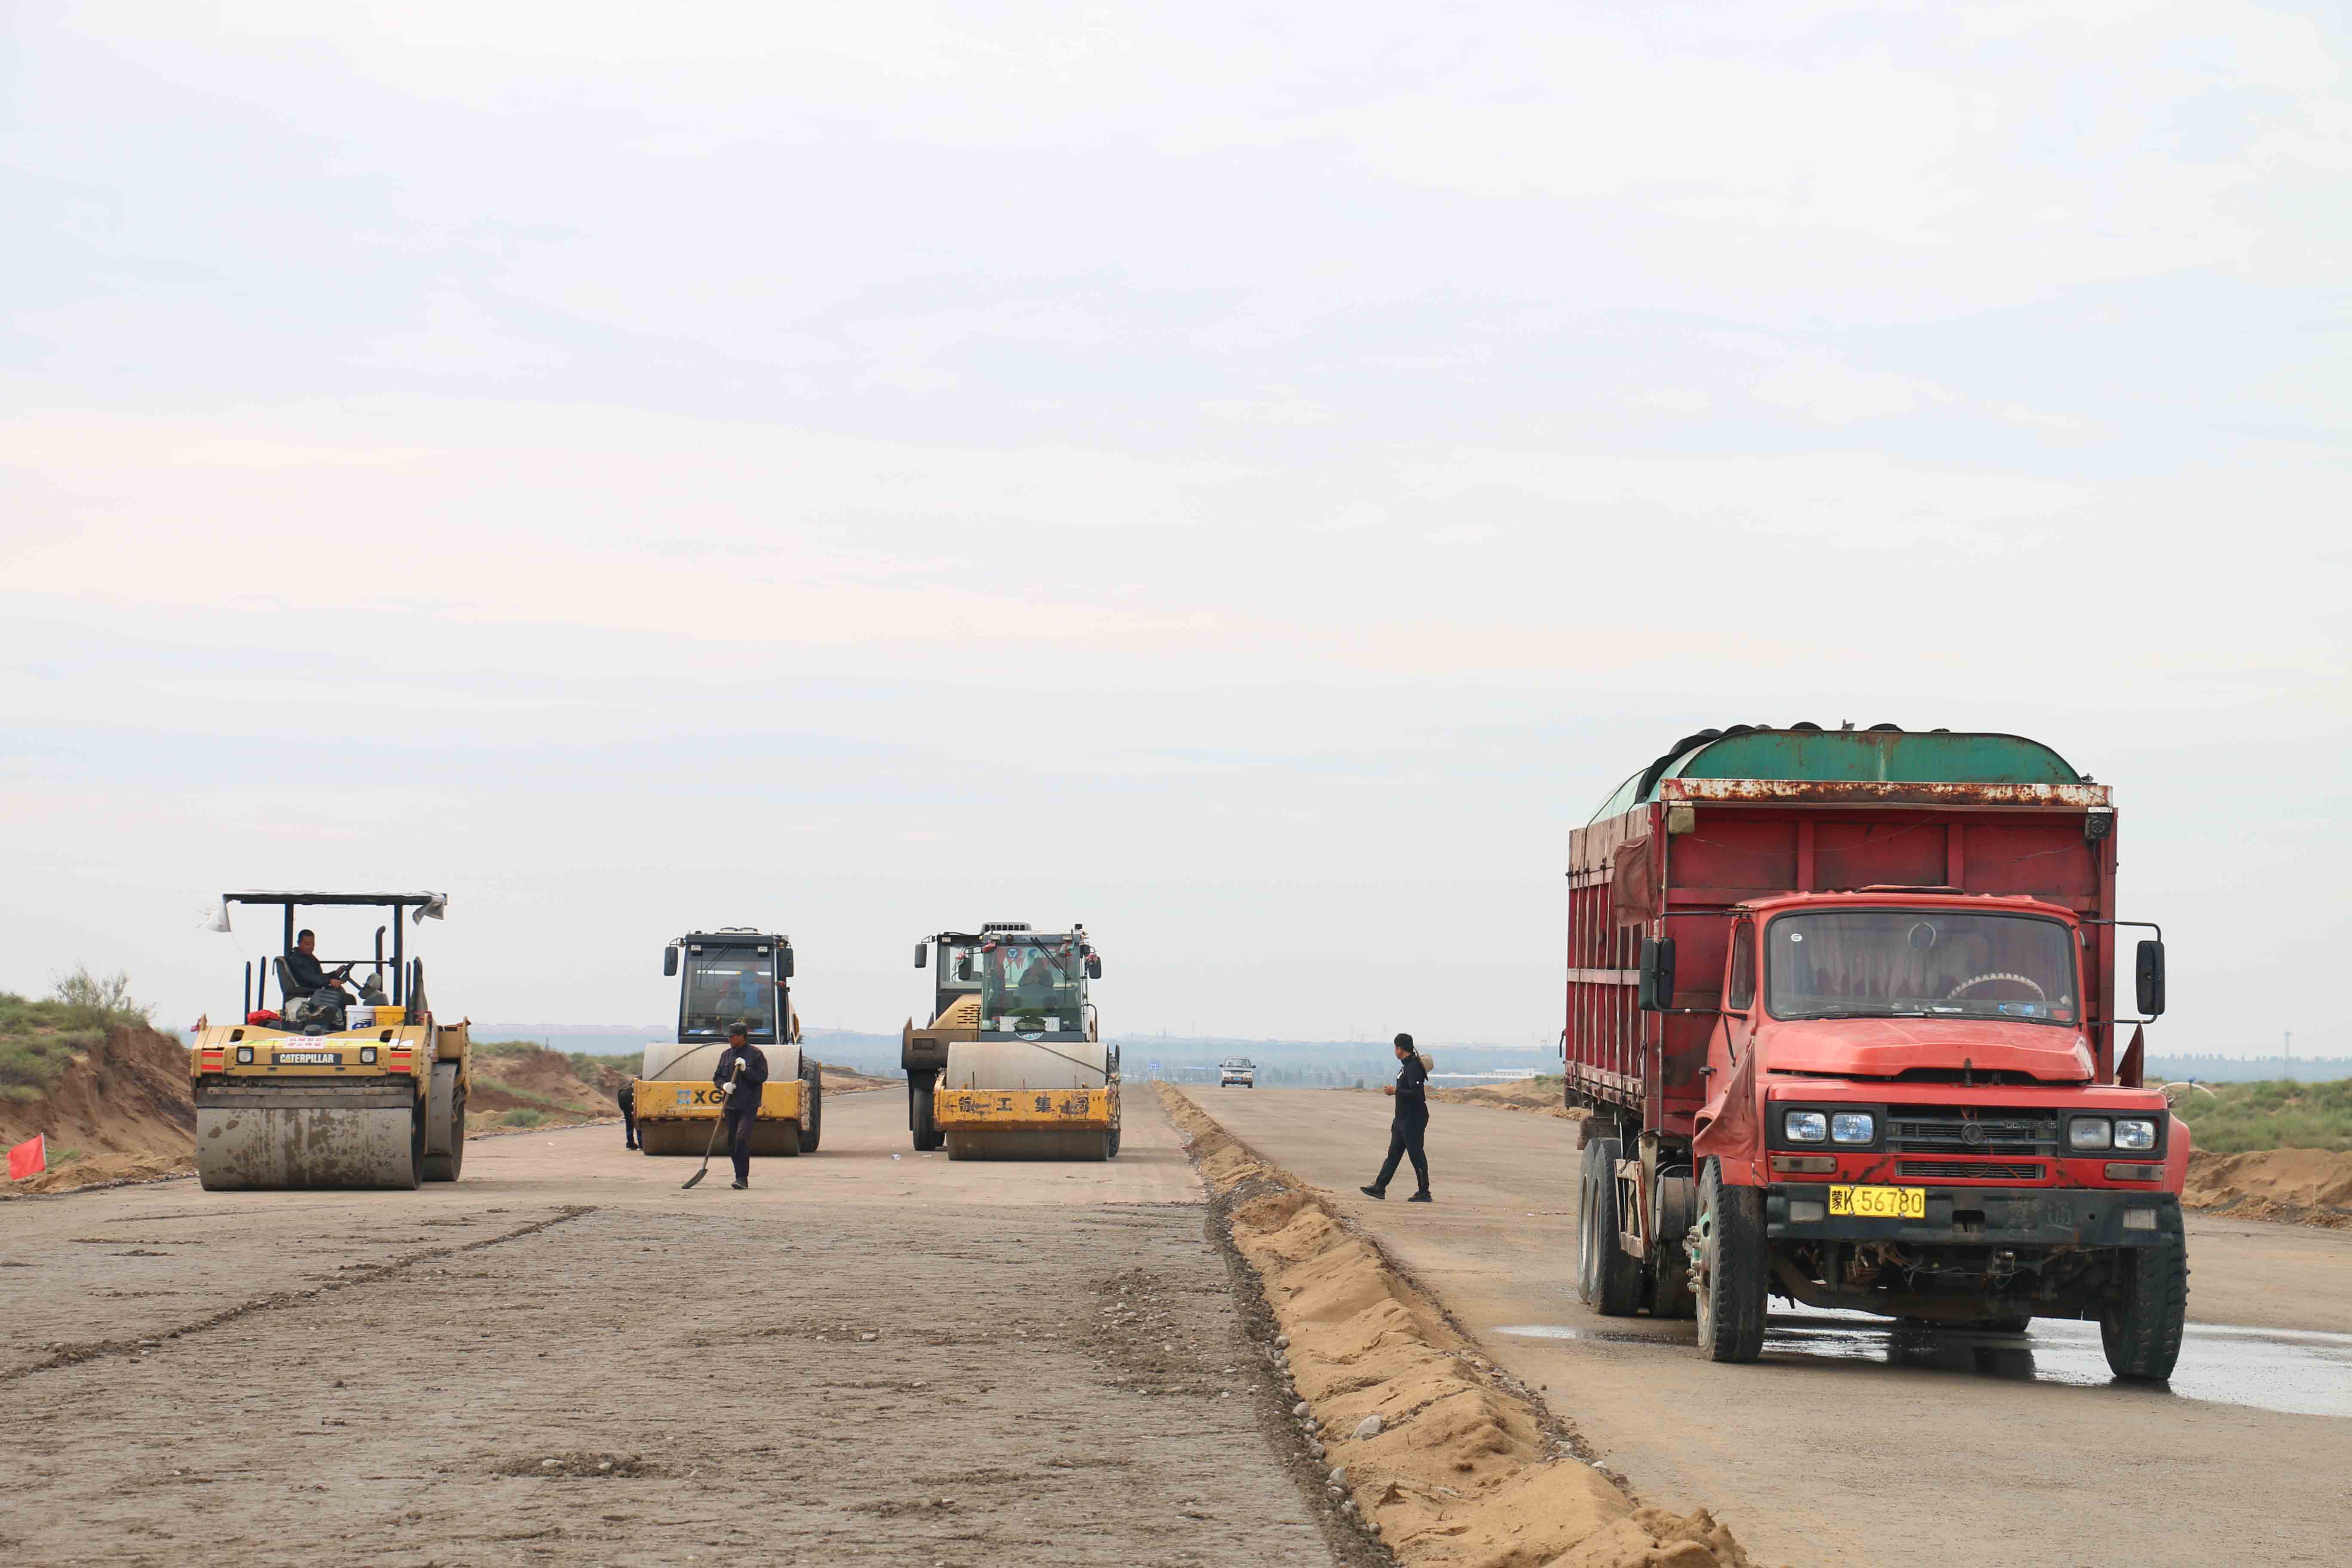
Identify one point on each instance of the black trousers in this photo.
(739, 1141)
(1405, 1138)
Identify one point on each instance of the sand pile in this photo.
(121, 1111)
(2309, 1187)
(1452, 1462)
(1543, 1097)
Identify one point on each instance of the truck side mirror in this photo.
(2149, 972)
(1656, 992)
(1094, 966)
(670, 961)
(784, 964)
(922, 953)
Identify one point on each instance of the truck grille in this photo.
(1940, 1130)
(1968, 1170)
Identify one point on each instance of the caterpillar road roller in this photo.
(332, 1088)
(1012, 1064)
(730, 975)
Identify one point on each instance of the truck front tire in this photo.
(1607, 1276)
(2140, 1320)
(1731, 1262)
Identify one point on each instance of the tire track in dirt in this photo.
(74, 1354)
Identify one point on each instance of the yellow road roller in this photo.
(732, 975)
(1012, 1064)
(349, 1081)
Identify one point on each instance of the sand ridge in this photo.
(1450, 1461)
(2307, 1186)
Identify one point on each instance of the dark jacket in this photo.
(1412, 1090)
(755, 1073)
(626, 1095)
(309, 975)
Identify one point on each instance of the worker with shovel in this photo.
(743, 1071)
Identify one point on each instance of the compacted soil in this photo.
(566, 1358)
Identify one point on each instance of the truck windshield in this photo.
(1031, 984)
(1918, 963)
(724, 983)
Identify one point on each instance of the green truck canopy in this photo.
(1884, 755)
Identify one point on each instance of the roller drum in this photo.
(770, 1140)
(445, 1126)
(1028, 1065)
(667, 1061)
(273, 1146)
(1022, 1064)
(1025, 1143)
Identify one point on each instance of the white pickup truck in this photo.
(1237, 1071)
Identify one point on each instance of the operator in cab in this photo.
(308, 975)
(1409, 1126)
(741, 1074)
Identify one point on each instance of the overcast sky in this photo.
(1250, 479)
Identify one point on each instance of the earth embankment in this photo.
(2305, 1187)
(1450, 1461)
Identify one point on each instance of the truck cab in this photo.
(1896, 1097)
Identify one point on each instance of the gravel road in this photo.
(1845, 1445)
(565, 1357)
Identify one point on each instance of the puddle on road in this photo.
(2298, 1371)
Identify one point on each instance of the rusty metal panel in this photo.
(1851, 792)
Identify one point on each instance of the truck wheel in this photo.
(1607, 1276)
(1113, 1141)
(1674, 1204)
(1731, 1284)
(812, 1119)
(2139, 1321)
(920, 1113)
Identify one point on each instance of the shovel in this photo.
(715, 1126)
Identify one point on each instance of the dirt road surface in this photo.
(863, 1359)
(1847, 1446)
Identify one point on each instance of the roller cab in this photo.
(732, 976)
(355, 1084)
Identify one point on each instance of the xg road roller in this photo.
(349, 1082)
(734, 974)
(1012, 1064)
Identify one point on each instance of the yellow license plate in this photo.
(1879, 1203)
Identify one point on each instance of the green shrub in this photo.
(38, 1040)
(102, 999)
(2276, 1113)
(525, 1118)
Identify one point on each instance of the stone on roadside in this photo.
(1369, 1426)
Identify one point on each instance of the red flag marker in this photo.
(28, 1159)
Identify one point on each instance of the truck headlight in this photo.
(2090, 1134)
(1852, 1127)
(1807, 1127)
(244, 1056)
(367, 1056)
(2132, 1132)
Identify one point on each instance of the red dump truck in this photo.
(1841, 1009)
